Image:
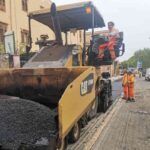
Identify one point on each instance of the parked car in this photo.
(147, 75)
(143, 73)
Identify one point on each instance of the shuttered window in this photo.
(3, 29)
(24, 36)
(25, 5)
(2, 5)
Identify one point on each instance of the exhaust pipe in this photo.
(56, 24)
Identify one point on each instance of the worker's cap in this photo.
(129, 71)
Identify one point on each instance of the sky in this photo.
(130, 16)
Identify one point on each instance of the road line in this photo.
(104, 123)
(94, 128)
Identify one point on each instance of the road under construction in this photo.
(61, 95)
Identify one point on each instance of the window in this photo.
(2, 5)
(25, 5)
(41, 7)
(3, 29)
(25, 36)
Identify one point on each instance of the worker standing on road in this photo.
(140, 74)
(131, 81)
(125, 85)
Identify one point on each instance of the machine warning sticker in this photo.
(87, 85)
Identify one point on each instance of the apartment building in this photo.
(14, 17)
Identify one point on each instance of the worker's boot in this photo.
(124, 98)
(129, 99)
(133, 99)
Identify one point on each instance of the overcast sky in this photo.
(130, 16)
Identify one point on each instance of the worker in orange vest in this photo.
(110, 45)
(112, 35)
(131, 81)
(125, 85)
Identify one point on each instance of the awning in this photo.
(71, 16)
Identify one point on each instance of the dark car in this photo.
(147, 76)
(143, 73)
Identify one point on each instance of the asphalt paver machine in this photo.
(44, 105)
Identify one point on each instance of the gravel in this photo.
(24, 121)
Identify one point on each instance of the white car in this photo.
(147, 75)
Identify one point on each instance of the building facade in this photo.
(14, 17)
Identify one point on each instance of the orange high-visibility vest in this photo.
(125, 79)
(110, 45)
(131, 80)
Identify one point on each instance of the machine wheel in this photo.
(99, 109)
(94, 109)
(110, 100)
(110, 94)
(74, 134)
(103, 103)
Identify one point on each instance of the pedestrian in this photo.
(131, 81)
(140, 74)
(125, 85)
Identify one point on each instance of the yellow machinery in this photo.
(58, 76)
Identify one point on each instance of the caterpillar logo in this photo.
(87, 85)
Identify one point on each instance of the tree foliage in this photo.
(142, 55)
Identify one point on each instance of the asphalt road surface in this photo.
(129, 127)
(117, 89)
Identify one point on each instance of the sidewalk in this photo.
(129, 127)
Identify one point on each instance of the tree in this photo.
(142, 55)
